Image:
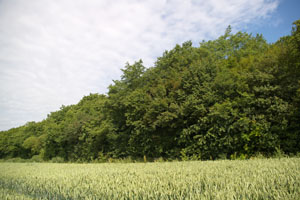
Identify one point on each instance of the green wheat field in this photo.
(239, 179)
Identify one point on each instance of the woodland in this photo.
(233, 97)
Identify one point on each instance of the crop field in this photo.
(248, 179)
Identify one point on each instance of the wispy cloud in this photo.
(53, 52)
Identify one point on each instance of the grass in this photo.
(247, 179)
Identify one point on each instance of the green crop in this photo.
(248, 179)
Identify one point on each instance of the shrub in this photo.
(36, 158)
(57, 160)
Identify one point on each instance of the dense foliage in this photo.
(274, 179)
(233, 97)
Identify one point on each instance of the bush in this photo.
(57, 160)
(36, 158)
(279, 153)
(16, 160)
(160, 159)
(102, 158)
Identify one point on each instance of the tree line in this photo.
(233, 97)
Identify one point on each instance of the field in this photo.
(248, 179)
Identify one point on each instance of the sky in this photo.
(54, 52)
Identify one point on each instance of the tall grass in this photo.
(247, 179)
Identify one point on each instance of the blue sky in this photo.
(279, 22)
(54, 52)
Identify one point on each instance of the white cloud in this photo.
(53, 52)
